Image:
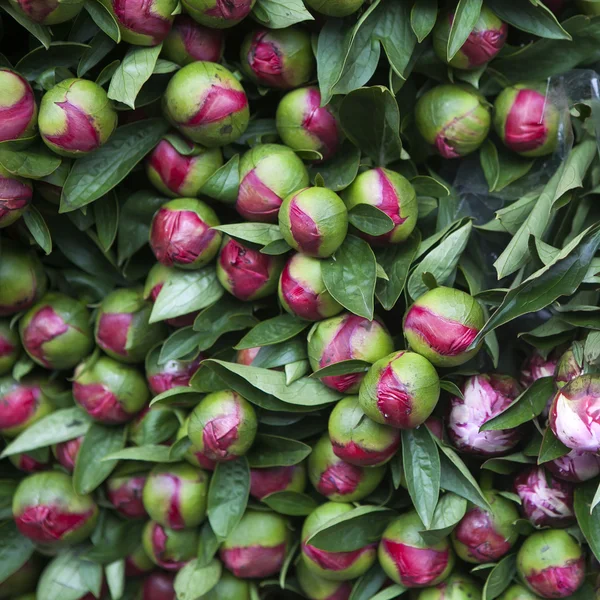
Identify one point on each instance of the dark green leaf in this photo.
(279, 355)
(15, 549)
(223, 184)
(428, 186)
(66, 577)
(293, 504)
(370, 219)
(99, 48)
(40, 32)
(343, 367)
(59, 54)
(277, 14)
(106, 213)
(393, 591)
(272, 331)
(38, 228)
(257, 233)
(465, 17)
(104, 19)
(504, 465)
(448, 512)
(32, 163)
(151, 453)
(588, 519)
(208, 546)
(275, 451)
(450, 387)
(551, 447)
(501, 167)
(500, 577)
(194, 581)
(422, 17)
(368, 585)
(341, 170)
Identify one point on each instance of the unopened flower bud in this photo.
(10, 347)
(124, 489)
(15, 197)
(220, 14)
(47, 12)
(18, 109)
(270, 480)
(66, 453)
(170, 549)
(335, 8)
(189, 42)
(575, 467)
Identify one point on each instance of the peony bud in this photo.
(18, 109)
(109, 391)
(194, 455)
(175, 495)
(400, 390)
(47, 12)
(76, 117)
(207, 104)
(316, 587)
(173, 373)
(484, 536)
(545, 501)
(181, 175)
(567, 369)
(124, 489)
(66, 453)
(551, 563)
(483, 44)
(189, 42)
(47, 510)
(220, 14)
(159, 586)
(333, 566)
(535, 367)
(22, 279)
(303, 124)
(223, 426)
(228, 588)
(122, 327)
(484, 397)
(575, 467)
(23, 580)
(137, 563)
(50, 187)
(314, 221)
(335, 8)
(575, 414)
(257, 546)
(338, 480)
(408, 559)
(347, 337)
(302, 291)
(456, 587)
(56, 332)
(526, 120)
(245, 273)
(358, 440)
(22, 403)
(279, 58)
(268, 173)
(442, 324)
(453, 119)
(437, 427)
(391, 193)
(10, 347)
(246, 356)
(30, 464)
(181, 234)
(142, 22)
(264, 482)
(15, 197)
(518, 592)
(170, 549)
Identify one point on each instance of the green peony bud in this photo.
(170, 549)
(456, 587)
(228, 588)
(189, 42)
(17, 107)
(219, 14)
(47, 12)
(10, 347)
(335, 8)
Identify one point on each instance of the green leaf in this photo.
(275, 451)
(104, 19)
(40, 32)
(393, 591)
(279, 355)
(341, 170)
(151, 453)
(257, 233)
(368, 585)
(228, 496)
(135, 69)
(440, 262)
(350, 276)
(15, 549)
(551, 448)
(505, 465)
(588, 519)
(208, 546)
(449, 511)
(38, 229)
(295, 370)
(33, 163)
(428, 186)
(223, 184)
(371, 120)
(500, 167)
(421, 463)
(500, 577)
(465, 18)
(272, 331)
(293, 504)
(58, 54)
(100, 47)
(422, 18)
(60, 426)
(277, 14)
(107, 72)
(344, 367)
(98, 442)
(352, 530)
(370, 219)
(186, 291)
(65, 578)
(193, 581)
(115, 578)
(94, 175)
(106, 213)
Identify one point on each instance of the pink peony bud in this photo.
(159, 586)
(189, 41)
(245, 273)
(173, 373)
(15, 197)
(170, 549)
(577, 466)
(10, 347)
(546, 502)
(485, 396)
(30, 464)
(18, 109)
(66, 453)
(535, 367)
(264, 482)
(319, 588)
(47, 12)
(124, 491)
(220, 14)
(575, 414)
(246, 356)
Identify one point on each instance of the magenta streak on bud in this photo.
(44, 327)
(576, 466)
(335, 561)
(476, 532)
(18, 406)
(201, 43)
(321, 123)
(256, 201)
(37, 10)
(445, 336)
(230, 9)
(127, 498)
(356, 454)
(172, 167)
(159, 545)
(218, 104)
(254, 561)
(416, 566)
(304, 229)
(558, 582)
(66, 453)
(205, 462)
(139, 18)
(264, 482)
(302, 300)
(113, 330)
(247, 269)
(131, 568)
(79, 134)
(342, 593)
(46, 524)
(220, 433)
(99, 402)
(340, 478)
(16, 117)
(179, 236)
(31, 465)
(265, 60)
(393, 400)
(389, 203)
(6, 347)
(525, 129)
(482, 46)
(174, 516)
(442, 144)
(14, 195)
